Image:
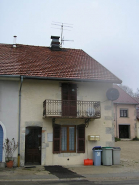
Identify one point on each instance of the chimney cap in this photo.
(55, 37)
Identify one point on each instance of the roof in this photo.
(124, 98)
(137, 99)
(137, 108)
(38, 61)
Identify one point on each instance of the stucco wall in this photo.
(131, 119)
(137, 128)
(9, 109)
(35, 92)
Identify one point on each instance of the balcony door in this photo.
(69, 100)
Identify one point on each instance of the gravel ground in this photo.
(128, 168)
(129, 153)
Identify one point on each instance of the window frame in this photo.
(69, 151)
(79, 139)
(124, 113)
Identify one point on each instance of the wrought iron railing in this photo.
(71, 108)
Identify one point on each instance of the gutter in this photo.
(70, 79)
(21, 79)
(10, 76)
(60, 79)
(126, 103)
(116, 122)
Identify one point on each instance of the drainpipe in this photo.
(116, 121)
(19, 120)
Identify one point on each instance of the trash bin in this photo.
(107, 156)
(97, 155)
(116, 155)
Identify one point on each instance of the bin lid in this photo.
(107, 148)
(116, 148)
(97, 148)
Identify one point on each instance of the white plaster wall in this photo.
(9, 91)
(34, 92)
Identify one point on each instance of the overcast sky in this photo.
(108, 30)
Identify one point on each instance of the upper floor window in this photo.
(123, 113)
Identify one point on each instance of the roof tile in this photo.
(36, 61)
(124, 98)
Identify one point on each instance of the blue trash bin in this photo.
(97, 155)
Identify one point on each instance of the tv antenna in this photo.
(62, 25)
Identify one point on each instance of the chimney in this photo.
(14, 43)
(55, 44)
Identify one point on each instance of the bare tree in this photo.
(127, 89)
(137, 93)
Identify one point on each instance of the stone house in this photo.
(125, 115)
(64, 111)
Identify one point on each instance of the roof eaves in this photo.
(69, 79)
(125, 103)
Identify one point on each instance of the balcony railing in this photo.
(71, 108)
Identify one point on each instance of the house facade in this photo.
(44, 109)
(64, 109)
(9, 91)
(125, 115)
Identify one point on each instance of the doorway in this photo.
(124, 131)
(33, 145)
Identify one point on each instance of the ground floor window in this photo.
(64, 138)
(68, 139)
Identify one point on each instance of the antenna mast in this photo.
(62, 25)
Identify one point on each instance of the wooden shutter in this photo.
(81, 138)
(56, 138)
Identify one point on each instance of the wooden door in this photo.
(69, 100)
(33, 145)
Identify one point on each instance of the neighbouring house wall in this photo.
(137, 128)
(130, 120)
(9, 91)
(34, 92)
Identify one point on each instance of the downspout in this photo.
(19, 120)
(116, 121)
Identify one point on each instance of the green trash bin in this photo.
(107, 156)
(116, 155)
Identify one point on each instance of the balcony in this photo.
(71, 109)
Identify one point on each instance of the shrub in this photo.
(9, 148)
(135, 139)
(117, 139)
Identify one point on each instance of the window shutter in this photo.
(81, 138)
(56, 138)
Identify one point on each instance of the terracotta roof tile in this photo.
(124, 98)
(36, 61)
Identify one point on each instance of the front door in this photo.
(69, 100)
(124, 131)
(33, 146)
